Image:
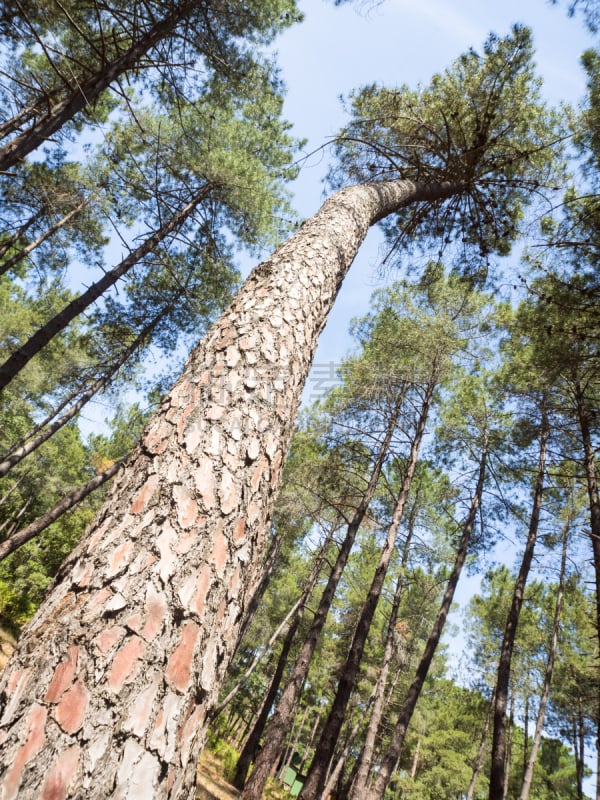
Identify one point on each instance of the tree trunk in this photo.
(24, 252)
(280, 722)
(481, 751)
(396, 744)
(17, 360)
(313, 785)
(30, 442)
(504, 665)
(584, 417)
(537, 736)
(16, 540)
(359, 787)
(335, 774)
(251, 745)
(509, 743)
(86, 91)
(108, 690)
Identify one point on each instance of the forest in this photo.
(227, 568)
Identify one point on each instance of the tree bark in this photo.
(396, 744)
(15, 363)
(313, 785)
(497, 772)
(539, 726)
(108, 690)
(280, 722)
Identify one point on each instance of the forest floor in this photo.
(213, 786)
(7, 645)
(211, 783)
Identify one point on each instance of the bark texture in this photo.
(108, 690)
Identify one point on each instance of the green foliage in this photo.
(480, 125)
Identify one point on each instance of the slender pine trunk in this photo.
(47, 428)
(23, 355)
(359, 785)
(277, 729)
(539, 726)
(497, 773)
(108, 690)
(394, 749)
(84, 91)
(313, 785)
(481, 750)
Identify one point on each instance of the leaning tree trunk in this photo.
(37, 341)
(497, 771)
(394, 749)
(84, 91)
(539, 726)
(315, 779)
(109, 687)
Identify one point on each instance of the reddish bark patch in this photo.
(125, 663)
(120, 556)
(189, 732)
(234, 583)
(63, 676)
(108, 638)
(36, 721)
(205, 483)
(71, 710)
(145, 495)
(257, 474)
(56, 784)
(229, 492)
(221, 611)
(187, 508)
(204, 579)
(156, 611)
(239, 531)
(220, 549)
(157, 438)
(187, 540)
(179, 666)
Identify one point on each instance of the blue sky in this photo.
(392, 42)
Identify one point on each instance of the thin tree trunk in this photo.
(276, 732)
(585, 418)
(294, 614)
(497, 781)
(537, 736)
(359, 786)
(86, 91)
(509, 743)
(19, 538)
(481, 751)
(311, 738)
(336, 772)
(415, 762)
(313, 786)
(396, 744)
(24, 252)
(252, 742)
(15, 363)
(14, 238)
(108, 689)
(30, 443)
